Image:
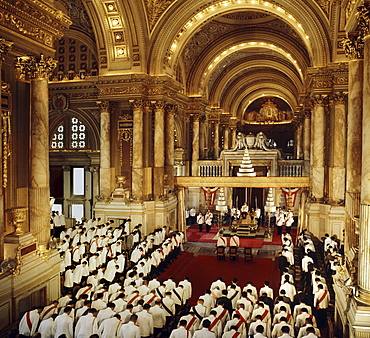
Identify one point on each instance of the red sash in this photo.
(264, 314)
(132, 299)
(190, 324)
(321, 299)
(28, 320)
(241, 321)
(151, 299)
(86, 291)
(222, 314)
(288, 316)
(49, 309)
(249, 300)
(235, 334)
(213, 323)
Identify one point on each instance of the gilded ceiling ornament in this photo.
(155, 9)
(363, 18)
(28, 67)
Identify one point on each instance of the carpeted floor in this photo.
(203, 270)
(193, 235)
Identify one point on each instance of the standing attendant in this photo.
(208, 220)
(280, 220)
(193, 215)
(289, 221)
(200, 221)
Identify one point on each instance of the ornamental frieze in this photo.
(34, 19)
(120, 90)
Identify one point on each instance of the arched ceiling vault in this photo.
(242, 70)
(214, 54)
(263, 79)
(256, 91)
(172, 33)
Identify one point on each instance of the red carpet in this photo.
(203, 270)
(194, 235)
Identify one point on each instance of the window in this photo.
(57, 141)
(78, 181)
(70, 134)
(77, 134)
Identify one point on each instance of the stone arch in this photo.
(173, 32)
(224, 78)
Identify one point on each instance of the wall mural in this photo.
(268, 110)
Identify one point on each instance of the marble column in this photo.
(105, 165)
(181, 220)
(195, 146)
(170, 144)
(306, 136)
(38, 72)
(337, 175)
(158, 172)
(137, 150)
(216, 141)
(202, 133)
(363, 279)
(226, 137)
(299, 141)
(5, 46)
(233, 137)
(354, 137)
(318, 147)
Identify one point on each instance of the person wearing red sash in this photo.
(49, 310)
(192, 322)
(29, 322)
(321, 303)
(232, 332)
(205, 331)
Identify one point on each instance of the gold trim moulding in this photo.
(246, 182)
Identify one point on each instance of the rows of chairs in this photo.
(233, 253)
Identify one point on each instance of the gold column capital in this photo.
(319, 100)
(29, 67)
(5, 47)
(136, 104)
(353, 46)
(158, 105)
(106, 106)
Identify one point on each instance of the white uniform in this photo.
(129, 330)
(64, 324)
(47, 328)
(109, 328)
(181, 332)
(29, 322)
(86, 326)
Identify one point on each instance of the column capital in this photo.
(137, 104)
(319, 100)
(29, 67)
(171, 109)
(339, 98)
(5, 47)
(353, 46)
(106, 106)
(195, 116)
(307, 114)
(363, 19)
(158, 105)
